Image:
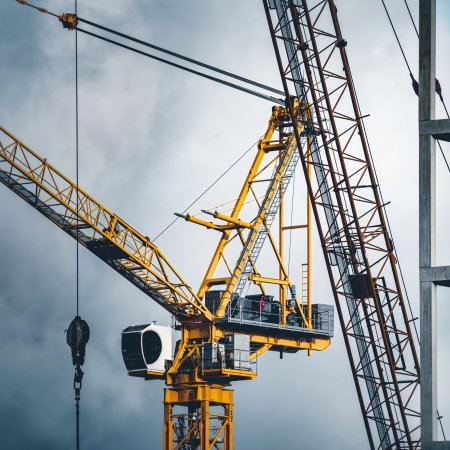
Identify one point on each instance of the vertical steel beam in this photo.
(168, 431)
(228, 435)
(204, 425)
(427, 220)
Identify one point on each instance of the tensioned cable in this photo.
(378, 183)
(174, 54)
(187, 69)
(442, 152)
(184, 58)
(207, 189)
(396, 37)
(415, 84)
(411, 17)
(438, 87)
(442, 101)
(77, 163)
(77, 396)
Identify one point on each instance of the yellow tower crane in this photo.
(223, 330)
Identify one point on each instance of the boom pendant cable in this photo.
(71, 21)
(77, 335)
(186, 69)
(182, 57)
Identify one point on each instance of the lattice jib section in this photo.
(129, 252)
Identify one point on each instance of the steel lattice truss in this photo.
(126, 250)
(351, 221)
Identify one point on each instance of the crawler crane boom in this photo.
(350, 216)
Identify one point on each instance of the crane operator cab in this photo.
(147, 349)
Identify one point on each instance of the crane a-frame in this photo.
(322, 127)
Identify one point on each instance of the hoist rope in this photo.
(77, 161)
(78, 332)
(78, 372)
(207, 189)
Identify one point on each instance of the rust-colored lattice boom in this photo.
(351, 221)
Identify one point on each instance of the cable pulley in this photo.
(77, 337)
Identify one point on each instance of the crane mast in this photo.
(350, 216)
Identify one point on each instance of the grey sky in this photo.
(151, 139)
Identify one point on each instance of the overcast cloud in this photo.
(151, 139)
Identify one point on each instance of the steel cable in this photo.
(415, 84)
(442, 153)
(207, 189)
(186, 69)
(184, 58)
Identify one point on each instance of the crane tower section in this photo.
(350, 216)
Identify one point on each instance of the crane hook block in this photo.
(77, 337)
(69, 21)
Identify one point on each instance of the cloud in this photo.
(151, 139)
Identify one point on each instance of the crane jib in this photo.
(102, 232)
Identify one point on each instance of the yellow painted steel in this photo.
(284, 146)
(238, 222)
(246, 188)
(281, 274)
(94, 226)
(258, 224)
(259, 279)
(135, 256)
(192, 388)
(309, 215)
(190, 408)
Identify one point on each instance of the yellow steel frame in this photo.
(196, 390)
(134, 256)
(92, 225)
(198, 425)
(275, 141)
